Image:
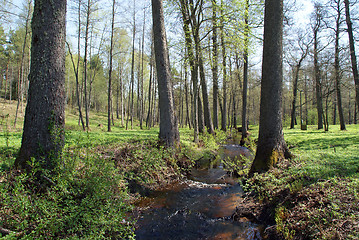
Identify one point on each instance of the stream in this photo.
(199, 207)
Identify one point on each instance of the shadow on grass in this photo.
(335, 142)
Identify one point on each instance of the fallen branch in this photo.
(5, 231)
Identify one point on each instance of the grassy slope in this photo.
(315, 195)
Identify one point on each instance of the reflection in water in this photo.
(199, 208)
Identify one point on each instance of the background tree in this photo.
(318, 86)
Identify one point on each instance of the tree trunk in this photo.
(109, 99)
(76, 71)
(215, 65)
(295, 90)
(169, 134)
(201, 124)
(352, 52)
(142, 69)
(199, 60)
(318, 85)
(148, 125)
(122, 97)
(130, 106)
(21, 70)
(224, 93)
(43, 135)
(88, 11)
(337, 69)
(245, 71)
(192, 63)
(271, 145)
(206, 109)
(188, 120)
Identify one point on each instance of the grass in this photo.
(315, 195)
(100, 176)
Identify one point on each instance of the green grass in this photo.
(90, 196)
(314, 195)
(326, 154)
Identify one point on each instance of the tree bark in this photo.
(43, 135)
(337, 68)
(192, 63)
(148, 119)
(169, 134)
(130, 106)
(142, 69)
(109, 99)
(318, 85)
(352, 52)
(215, 65)
(271, 145)
(224, 61)
(201, 123)
(245, 72)
(86, 100)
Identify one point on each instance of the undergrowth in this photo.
(100, 176)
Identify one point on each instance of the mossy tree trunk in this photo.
(271, 145)
(43, 135)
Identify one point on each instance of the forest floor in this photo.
(312, 196)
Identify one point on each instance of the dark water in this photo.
(198, 208)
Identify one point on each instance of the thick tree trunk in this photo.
(43, 135)
(271, 145)
(352, 52)
(169, 134)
